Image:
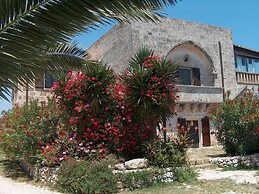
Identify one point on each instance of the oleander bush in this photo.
(105, 109)
(100, 118)
(237, 123)
(24, 130)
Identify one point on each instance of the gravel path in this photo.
(8, 186)
(239, 176)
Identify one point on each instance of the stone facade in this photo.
(119, 44)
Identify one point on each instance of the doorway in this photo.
(192, 131)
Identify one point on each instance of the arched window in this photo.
(195, 65)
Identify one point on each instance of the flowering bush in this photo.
(237, 122)
(100, 122)
(24, 130)
(95, 113)
(104, 117)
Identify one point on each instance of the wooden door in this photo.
(205, 131)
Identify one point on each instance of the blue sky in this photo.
(241, 16)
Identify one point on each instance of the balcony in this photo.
(203, 94)
(247, 77)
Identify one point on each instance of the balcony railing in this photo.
(205, 94)
(247, 77)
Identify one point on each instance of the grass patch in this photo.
(185, 174)
(198, 187)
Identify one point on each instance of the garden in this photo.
(97, 133)
(95, 124)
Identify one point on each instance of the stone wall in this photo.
(43, 174)
(131, 168)
(115, 47)
(237, 161)
(19, 96)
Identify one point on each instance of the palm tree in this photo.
(35, 35)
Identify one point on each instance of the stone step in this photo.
(199, 161)
(203, 166)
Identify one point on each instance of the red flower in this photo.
(77, 109)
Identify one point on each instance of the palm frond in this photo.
(140, 56)
(28, 28)
(63, 56)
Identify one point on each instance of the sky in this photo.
(240, 16)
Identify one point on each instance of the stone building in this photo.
(209, 65)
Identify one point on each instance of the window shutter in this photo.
(196, 76)
(39, 81)
(49, 80)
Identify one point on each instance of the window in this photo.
(246, 64)
(45, 80)
(185, 76)
(189, 76)
(49, 80)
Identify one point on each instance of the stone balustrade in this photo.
(247, 77)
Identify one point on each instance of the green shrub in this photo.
(24, 130)
(139, 179)
(237, 122)
(166, 154)
(146, 178)
(79, 177)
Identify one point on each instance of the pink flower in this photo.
(103, 150)
(77, 109)
(86, 106)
